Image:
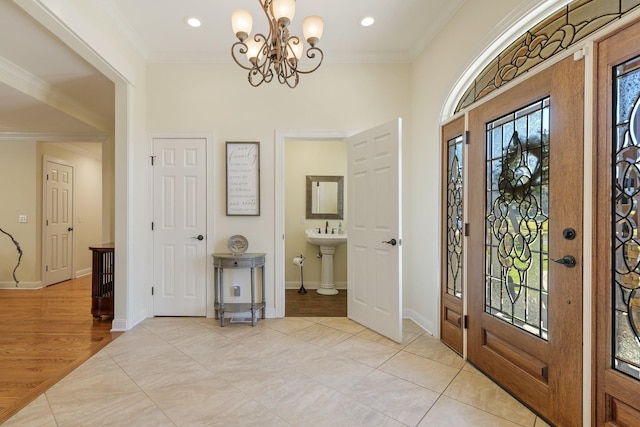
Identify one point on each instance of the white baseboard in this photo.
(421, 321)
(21, 285)
(83, 272)
(312, 285)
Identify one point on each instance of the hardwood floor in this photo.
(312, 304)
(44, 335)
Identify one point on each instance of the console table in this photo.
(227, 260)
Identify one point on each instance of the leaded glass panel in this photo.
(626, 192)
(517, 218)
(454, 217)
(555, 34)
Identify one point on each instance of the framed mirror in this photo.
(325, 197)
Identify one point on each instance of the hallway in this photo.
(283, 372)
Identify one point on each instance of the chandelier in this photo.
(278, 53)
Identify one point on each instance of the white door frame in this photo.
(280, 138)
(43, 234)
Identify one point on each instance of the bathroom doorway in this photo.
(303, 158)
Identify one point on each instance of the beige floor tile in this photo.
(397, 398)
(334, 371)
(421, 371)
(282, 372)
(288, 325)
(480, 392)
(364, 351)
(450, 413)
(431, 348)
(407, 337)
(321, 335)
(37, 413)
(331, 409)
(345, 325)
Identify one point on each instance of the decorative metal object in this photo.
(454, 217)
(626, 241)
(278, 53)
(17, 245)
(517, 218)
(555, 34)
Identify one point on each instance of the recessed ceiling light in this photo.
(192, 21)
(367, 21)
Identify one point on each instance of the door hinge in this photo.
(152, 160)
(151, 225)
(466, 138)
(46, 268)
(466, 229)
(152, 291)
(465, 321)
(47, 223)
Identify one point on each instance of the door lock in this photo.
(569, 233)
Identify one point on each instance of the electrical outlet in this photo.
(22, 218)
(236, 290)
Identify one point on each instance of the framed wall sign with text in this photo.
(243, 178)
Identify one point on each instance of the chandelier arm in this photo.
(241, 48)
(312, 52)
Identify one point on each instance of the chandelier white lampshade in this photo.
(241, 22)
(312, 28)
(283, 11)
(278, 53)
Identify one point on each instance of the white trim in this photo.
(280, 138)
(419, 320)
(21, 285)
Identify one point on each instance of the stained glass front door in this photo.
(525, 185)
(451, 311)
(617, 235)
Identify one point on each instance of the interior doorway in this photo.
(323, 160)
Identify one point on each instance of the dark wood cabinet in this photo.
(102, 280)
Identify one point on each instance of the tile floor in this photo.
(282, 372)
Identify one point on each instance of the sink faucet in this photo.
(326, 228)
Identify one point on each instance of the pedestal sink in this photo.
(327, 243)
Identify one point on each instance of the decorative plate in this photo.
(237, 244)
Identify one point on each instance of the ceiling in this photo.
(47, 89)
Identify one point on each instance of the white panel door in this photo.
(58, 222)
(179, 233)
(374, 250)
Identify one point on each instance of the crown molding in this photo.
(53, 137)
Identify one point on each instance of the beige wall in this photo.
(216, 98)
(86, 159)
(304, 158)
(435, 72)
(22, 161)
(18, 197)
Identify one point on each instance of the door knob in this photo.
(567, 261)
(199, 237)
(70, 229)
(391, 242)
